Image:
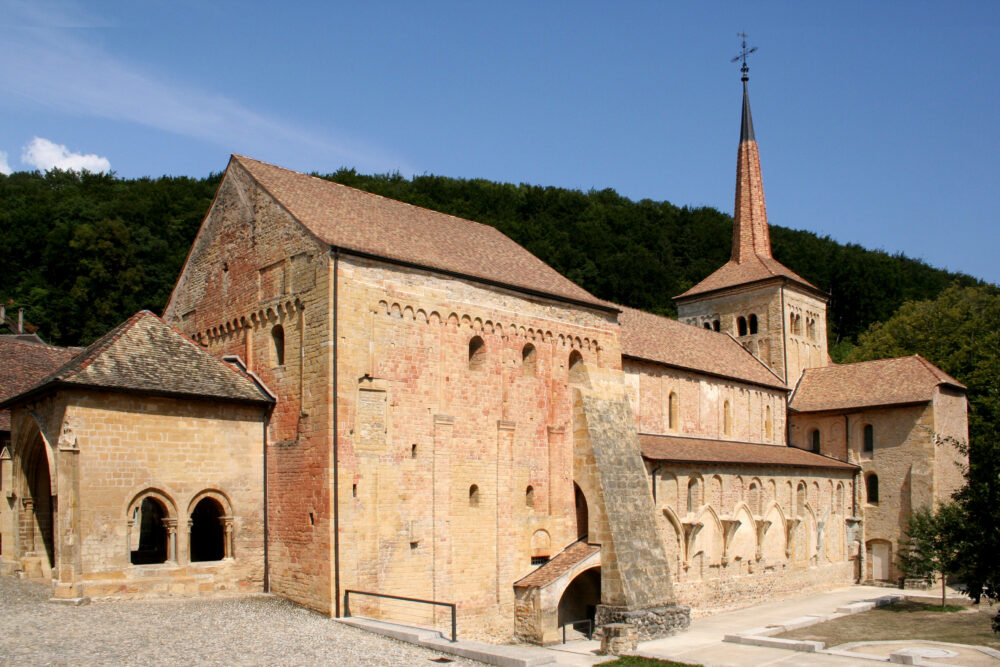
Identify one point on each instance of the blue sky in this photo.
(877, 122)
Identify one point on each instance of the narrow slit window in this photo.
(869, 439)
(278, 338)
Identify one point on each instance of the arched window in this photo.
(477, 353)
(148, 517)
(208, 531)
(814, 439)
(727, 419)
(672, 411)
(869, 445)
(278, 338)
(473, 496)
(753, 496)
(693, 495)
(800, 499)
(716, 325)
(528, 356)
(768, 423)
(529, 497)
(577, 369)
(871, 486)
(741, 326)
(753, 324)
(708, 325)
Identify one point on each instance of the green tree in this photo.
(960, 332)
(931, 546)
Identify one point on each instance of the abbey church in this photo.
(349, 397)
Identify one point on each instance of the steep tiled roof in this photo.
(869, 383)
(144, 354)
(558, 566)
(703, 450)
(750, 270)
(667, 341)
(22, 364)
(362, 222)
(751, 260)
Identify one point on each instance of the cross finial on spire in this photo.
(743, 56)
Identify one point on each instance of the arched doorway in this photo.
(37, 508)
(582, 513)
(208, 537)
(152, 547)
(580, 599)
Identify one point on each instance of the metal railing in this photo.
(590, 628)
(449, 605)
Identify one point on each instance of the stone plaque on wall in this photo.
(371, 419)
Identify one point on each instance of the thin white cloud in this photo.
(4, 165)
(45, 64)
(44, 154)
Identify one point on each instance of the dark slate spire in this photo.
(751, 234)
(746, 124)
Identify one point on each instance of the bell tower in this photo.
(776, 314)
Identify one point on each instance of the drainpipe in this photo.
(267, 564)
(336, 448)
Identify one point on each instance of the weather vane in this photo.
(743, 56)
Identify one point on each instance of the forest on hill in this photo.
(82, 252)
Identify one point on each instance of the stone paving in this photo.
(254, 630)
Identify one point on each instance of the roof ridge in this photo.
(328, 182)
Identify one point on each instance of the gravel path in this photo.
(258, 630)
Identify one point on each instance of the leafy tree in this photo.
(82, 252)
(932, 543)
(960, 332)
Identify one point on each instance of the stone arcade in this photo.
(357, 393)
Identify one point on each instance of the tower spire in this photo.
(751, 234)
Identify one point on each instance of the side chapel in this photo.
(350, 392)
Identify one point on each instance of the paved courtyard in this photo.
(236, 631)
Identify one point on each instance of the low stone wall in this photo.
(650, 623)
(733, 591)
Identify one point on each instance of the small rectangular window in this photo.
(539, 560)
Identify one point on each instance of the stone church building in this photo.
(350, 393)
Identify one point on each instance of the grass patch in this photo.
(910, 606)
(909, 619)
(638, 661)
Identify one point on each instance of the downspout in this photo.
(267, 564)
(336, 449)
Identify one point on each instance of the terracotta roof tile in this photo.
(667, 341)
(750, 270)
(24, 363)
(702, 450)
(565, 561)
(869, 383)
(144, 354)
(352, 219)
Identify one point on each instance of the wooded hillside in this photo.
(83, 252)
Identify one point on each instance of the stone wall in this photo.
(108, 451)
(254, 271)
(914, 460)
(758, 413)
(791, 333)
(455, 460)
(736, 534)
